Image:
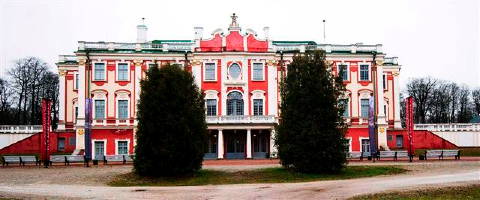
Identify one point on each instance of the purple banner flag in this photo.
(371, 126)
(88, 127)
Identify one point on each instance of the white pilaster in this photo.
(249, 143)
(273, 148)
(61, 99)
(272, 90)
(220, 144)
(380, 98)
(381, 120)
(80, 131)
(396, 101)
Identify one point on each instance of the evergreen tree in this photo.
(311, 133)
(172, 132)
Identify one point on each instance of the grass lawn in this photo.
(267, 175)
(446, 193)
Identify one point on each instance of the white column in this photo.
(396, 101)
(381, 120)
(80, 131)
(61, 99)
(273, 148)
(380, 99)
(220, 144)
(249, 143)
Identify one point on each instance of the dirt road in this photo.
(88, 183)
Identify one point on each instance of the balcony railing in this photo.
(474, 127)
(20, 128)
(241, 119)
(111, 46)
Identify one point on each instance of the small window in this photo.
(389, 137)
(210, 71)
(257, 72)
(384, 83)
(99, 109)
(76, 112)
(61, 144)
(399, 141)
(122, 72)
(76, 81)
(73, 141)
(364, 73)
(258, 107)
(122, 147)
(365, 145)
(99, 71)
(235, 71)
(344, 104)
(343, 72)
(122, 109)
(365, 106)
(211, 107)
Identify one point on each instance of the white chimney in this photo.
(198, 33)
(142, 32)
(266, 31)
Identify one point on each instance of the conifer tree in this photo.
(310, 136)
(172, 132)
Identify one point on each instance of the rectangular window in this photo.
(365, 145)
(258, 107)
(122, 109)
(257, 72)
(364, 73)
(61, 144)
(99, 109)
(99, 71)
(365, 105)
(122, 147)
(76, 112)
(343, 71)
(122, 72)
(344, 105)
(384, 83)
(209, 71)
(389, 137)
(399, 141)
(152, 65)
(385, 111)
(76, 81)
(211, 107)
(73, 141)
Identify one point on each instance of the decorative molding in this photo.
(62, 72)
(379, 62)
(138, 62)
(271, 62)
(396, 73)
(196, 62)
(81, 61)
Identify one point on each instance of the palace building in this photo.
(239, 73)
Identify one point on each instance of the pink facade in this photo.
(239, 73)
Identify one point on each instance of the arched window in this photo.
(234, 103)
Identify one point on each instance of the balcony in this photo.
(27, 129)
(454, 127)
(242, 119)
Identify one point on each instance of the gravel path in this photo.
(88, 183)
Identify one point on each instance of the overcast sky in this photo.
(431, 38)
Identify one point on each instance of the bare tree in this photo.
(31, 81)
(421, 90)
(476, 100)
(464, 113)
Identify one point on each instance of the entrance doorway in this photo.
(211, 152)
(261, 143)
(235, 141)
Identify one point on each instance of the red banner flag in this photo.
(46, 123)
(409, 123)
